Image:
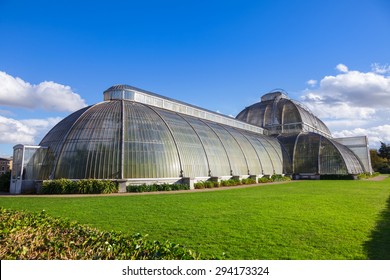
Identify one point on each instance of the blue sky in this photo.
(58, 56)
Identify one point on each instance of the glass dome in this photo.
(279, 114)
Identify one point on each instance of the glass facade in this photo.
(121, 139)
(135, 134)
(359, 146)
(149, 149)
(311, 153)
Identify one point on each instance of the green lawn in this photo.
(297, 220)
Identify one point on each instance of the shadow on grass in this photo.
(378, 247)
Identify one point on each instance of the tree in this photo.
(5, 181)
(384, 151)
(380, 159)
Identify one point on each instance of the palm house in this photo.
(135, 137)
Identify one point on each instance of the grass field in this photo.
(297, 220)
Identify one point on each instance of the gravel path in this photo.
(378, 178)
(144, 193)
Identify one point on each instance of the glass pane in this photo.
(149, 148)
(192, 154)
(306, 153)
(215, 151)
(235, 154)
(331, 161)
(92, 148)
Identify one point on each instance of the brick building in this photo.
(5, 165)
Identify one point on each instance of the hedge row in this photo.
(274, 178)
(337, 177)
(348, 176)
(37, 236)
(367, 175)
(86, 186)
(237, 182)
(157, 187)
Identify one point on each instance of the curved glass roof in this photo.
(122, 139)
(126, 92)
(279, 114)
(312, 153)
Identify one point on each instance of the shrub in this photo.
(276, 178)
(236, 182)
(5, 180)
(286, 178)
(156, 187)
(264, 179)
(225, 183)
(367, 175)
(228, 183)
(248, 181)
(135, 188)
(336, 177)
(86, 186)
(37, 236)
(208, 184)
(384, 169)
(199, 185)
(363, 176)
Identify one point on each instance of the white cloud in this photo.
(312, 83)
(353, 103)
(49, 96)
(14, 131)
(380, 69)
(339, 110)
(342, 68)
(375, 134)
(24, 131)
(6, 113)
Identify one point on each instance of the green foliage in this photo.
(274, 178)
(227, 183)
(156, 187)
(206, 184)
(199, 185)
(367, 175)
(5, 182)
(264, 179)
(216, 184)
(32, 236)
(310, 219)
(231, 182)
(384, 151)
(248, 181)
(379, 160)
(384, 169)
(277, 178)
(336, 177)
(86, 186)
